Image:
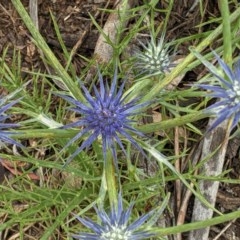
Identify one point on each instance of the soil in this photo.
(77, 31)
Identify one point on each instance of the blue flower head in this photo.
(6, 136)
(106, 115)
(115, 226)
(154, 59)
(228, 92)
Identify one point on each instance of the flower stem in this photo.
(111, 180)
(227, 36)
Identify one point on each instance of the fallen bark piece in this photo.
(216, 139)
(116, 21)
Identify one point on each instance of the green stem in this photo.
(111, 180)
(170, 123)
(68, 133)
(197, 225)
(44, 133)
(227, 40)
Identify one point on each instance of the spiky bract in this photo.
(228, 93)
(5, 136)
(105, 115)
(154, 59)
(115, 226)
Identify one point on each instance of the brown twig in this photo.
(178, 168)
(194, 158)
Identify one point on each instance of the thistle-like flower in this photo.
(5, 136)
(105, 115)
(114, 226)
(228, 92)
(154, 59)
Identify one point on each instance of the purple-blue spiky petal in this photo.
(228, 93)
(4, 135)
(102, 87)
(7, 106)
(237, 70)
(115, 225)
(136, 224)
(225, 68)
(8, 125)
(85, 236)
(76, 137)
(236, 119)
(74, 124)
(5, 138)
(87, 222)
(85, 144)
(106, 115)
